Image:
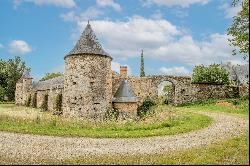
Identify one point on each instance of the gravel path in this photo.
(35, 148)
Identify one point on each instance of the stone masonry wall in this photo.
(126, 110)
(184, 90)
(52, 98)
(87, 86)
(19, 93)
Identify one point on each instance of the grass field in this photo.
(166, 121)
(238, 106)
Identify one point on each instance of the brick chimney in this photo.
(123, 71)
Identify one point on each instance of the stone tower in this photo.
(87, 78)
(23, 87)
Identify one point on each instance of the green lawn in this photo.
(238, 106)
(166, 121)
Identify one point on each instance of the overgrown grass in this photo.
(163, 122)
(232, 151)
(236, 106)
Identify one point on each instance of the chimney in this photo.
(123, 71)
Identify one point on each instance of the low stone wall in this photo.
(40, 98)
(126, 110)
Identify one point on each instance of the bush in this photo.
(34, 100)
(211, 74)
(58, 108)
(44, 106)
(144, 108)
(27, 104)
(111, 114)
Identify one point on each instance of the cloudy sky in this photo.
(175, 35)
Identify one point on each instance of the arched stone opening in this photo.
(166, 92)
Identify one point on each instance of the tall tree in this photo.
(10, 72)
(239, 30)
(51, 75)
(142, 73)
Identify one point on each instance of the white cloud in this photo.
(109, 3)
(90, 13)
(115, 66)
(230, 11)
(170, 3)
(19, 47)
(178, 71)
(58, 3)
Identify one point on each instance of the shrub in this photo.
(27, 104)
(111, 114)
(58, 107)
(44, 106)
(144, 108)
(211, 74)
(34, 100)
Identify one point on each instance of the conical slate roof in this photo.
(124, 93)
(88, 44)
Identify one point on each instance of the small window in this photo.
(74, 83)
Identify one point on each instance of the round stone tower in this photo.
(87, 78)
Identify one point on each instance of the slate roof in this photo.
(124, 94)
(88, 44)
(57, 82)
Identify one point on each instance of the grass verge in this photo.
(43, 124)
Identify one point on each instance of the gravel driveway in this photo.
(35, 148)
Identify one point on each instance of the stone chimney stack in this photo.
(123, 71)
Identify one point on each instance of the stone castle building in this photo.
(89, 87)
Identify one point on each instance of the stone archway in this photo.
(166, 91)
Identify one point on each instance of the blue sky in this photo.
(175, 35)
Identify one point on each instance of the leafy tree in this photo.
(10, 72)
(239, 30)
(211, 74)
(1, 93)
(142, 73)
(51, 75)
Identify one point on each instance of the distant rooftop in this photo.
(56, 82)
(88, 44)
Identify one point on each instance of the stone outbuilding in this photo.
(125, 101)
(89, 87)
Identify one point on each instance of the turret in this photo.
(23, 87)
(87, 78)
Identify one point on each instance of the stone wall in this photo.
(126, 110)
(87, 86)
(40, 98)
(52, 98)
(19, 93)
(183, 90)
